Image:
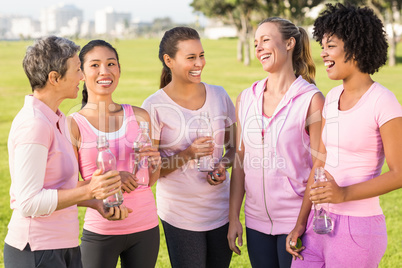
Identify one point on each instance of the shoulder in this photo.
(140, 114)
(73, 126)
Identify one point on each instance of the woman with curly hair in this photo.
(362, 125)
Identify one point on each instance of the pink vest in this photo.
(141, 200)
(277, 161)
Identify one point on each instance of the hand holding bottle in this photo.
(103, 185)
(218, 175)
(322, 222)
(327, 191)
(113, 213)
(128, 182)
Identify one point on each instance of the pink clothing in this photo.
(352, 138)
(354, 242)
(37, 125)
(184, 197)
(277, 159)
(141, 200)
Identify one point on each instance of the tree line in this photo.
(246, 14)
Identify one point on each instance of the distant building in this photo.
(25, 27)
(87, 29)
(112, 23)
(216, 29)
(61, 19)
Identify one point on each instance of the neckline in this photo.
(358, 103)
(184, 108)
(99, 132)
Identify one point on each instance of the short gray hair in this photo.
(45, 55)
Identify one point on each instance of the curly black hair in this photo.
(361, 31)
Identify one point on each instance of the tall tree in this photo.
(235, 12)
(245, 14)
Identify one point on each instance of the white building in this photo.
(216, 29)
(110, 22)
(61, 19)
(25, 27)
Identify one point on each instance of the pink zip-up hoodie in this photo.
(277, 160)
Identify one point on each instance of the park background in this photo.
(140, 71)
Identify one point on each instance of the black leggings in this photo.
(135, 250)
(197, 249)
(267, 250)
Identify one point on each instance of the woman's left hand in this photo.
(154, 157)
(327, 191)
(218, 175)
(114, 213)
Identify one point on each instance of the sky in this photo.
(145, 10)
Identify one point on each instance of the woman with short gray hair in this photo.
(44, 228)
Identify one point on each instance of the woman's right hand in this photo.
(291, 241)
(201, 147)
(235, 232)
(104, 185)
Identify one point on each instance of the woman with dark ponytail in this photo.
(193, 205)
(131, 230)
(279, 124)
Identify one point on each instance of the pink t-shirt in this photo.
(353, 142)
(37, 124)
(184, 197)
(141, 200)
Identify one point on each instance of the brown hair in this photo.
(168, 45)
(303, 63)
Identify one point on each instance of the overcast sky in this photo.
(145, 10)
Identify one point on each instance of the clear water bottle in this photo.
(322, 223)
(205, 163)
(141, 164)
(107, 161)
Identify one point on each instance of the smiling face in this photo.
(71, 79)
(101, 70)
(270, 48)
(188, 62)
(333, 54)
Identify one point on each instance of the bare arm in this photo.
(236, 191)
(315, 124)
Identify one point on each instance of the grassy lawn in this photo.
(140, 78)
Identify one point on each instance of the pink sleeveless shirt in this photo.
(277, 160)
(141, 200)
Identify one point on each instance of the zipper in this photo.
(263, 186)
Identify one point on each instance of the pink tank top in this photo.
(141, 201)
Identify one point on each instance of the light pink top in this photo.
(352, 138)
(141, 200)
(184, 197)
(277, 167)
(41, 160)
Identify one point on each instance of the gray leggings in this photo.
(135, 250)
(198, 249)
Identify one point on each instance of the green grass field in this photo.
(140, 78)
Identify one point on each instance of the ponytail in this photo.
(84, 96)
(303, 63)
(166, 77)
